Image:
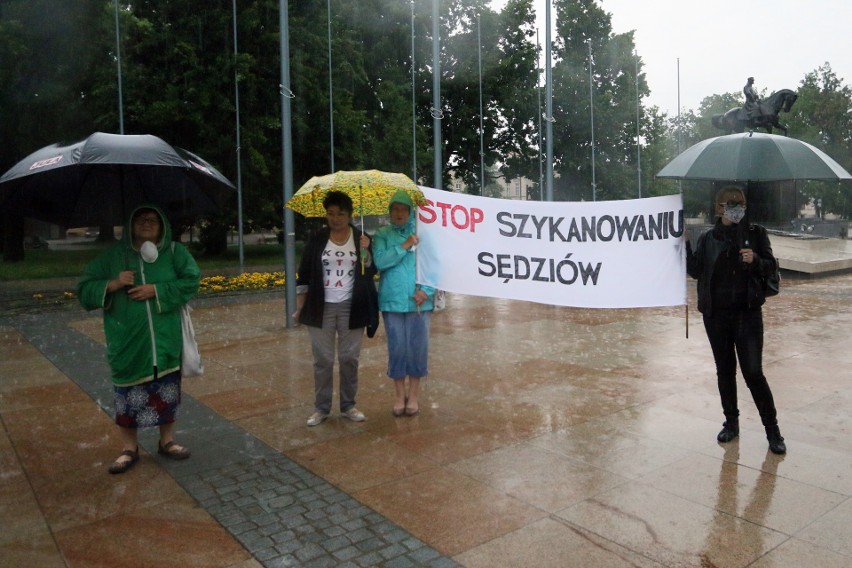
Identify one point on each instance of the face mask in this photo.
(149, 252)
(734, 214)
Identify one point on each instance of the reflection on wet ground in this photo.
(547, 436)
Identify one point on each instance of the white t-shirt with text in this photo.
(338, 266)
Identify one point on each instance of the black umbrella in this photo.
(101, 179)
(755, 157)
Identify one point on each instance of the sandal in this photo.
(400, 411)
(120, 466)
(409, 411)
(174, 454)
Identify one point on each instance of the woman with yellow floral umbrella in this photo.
(337, 303)
(370, 190)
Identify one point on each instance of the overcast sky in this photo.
(721, 43)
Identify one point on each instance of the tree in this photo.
(822, 116)
(584, 27)
(42, 89)
(516, 87)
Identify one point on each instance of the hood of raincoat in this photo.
(408, 227)
(165, 238)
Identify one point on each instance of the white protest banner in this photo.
(604, 254)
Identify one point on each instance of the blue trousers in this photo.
(408, 343)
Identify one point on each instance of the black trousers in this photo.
(738, 334)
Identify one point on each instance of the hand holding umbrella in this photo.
(365, 249)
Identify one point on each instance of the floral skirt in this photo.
(150, 404)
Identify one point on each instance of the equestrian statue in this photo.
(756, 113)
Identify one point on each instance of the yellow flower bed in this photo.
(209, 285)
(245, 281)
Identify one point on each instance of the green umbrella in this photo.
(753, 156)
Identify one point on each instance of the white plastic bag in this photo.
(191, 365)
(440, 300)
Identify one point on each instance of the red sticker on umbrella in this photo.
(200, 167)
(47, 162)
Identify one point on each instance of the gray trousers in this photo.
(335, 324)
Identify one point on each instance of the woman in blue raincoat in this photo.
(406, 306)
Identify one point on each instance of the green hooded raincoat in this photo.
(142, 336)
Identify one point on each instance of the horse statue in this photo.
(765, 116)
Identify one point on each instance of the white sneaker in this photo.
(317, 418)
(354, 415)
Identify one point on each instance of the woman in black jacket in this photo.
(730, 263)
(334, 287)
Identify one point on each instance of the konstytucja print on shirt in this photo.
(338, 266)
(339, 263)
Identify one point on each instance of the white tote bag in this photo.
(440, 301)
(191, 365)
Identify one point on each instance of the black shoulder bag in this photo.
(772, 283)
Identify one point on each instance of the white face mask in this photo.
(149, 252)
(734, 214)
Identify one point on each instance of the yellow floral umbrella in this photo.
(370, 190)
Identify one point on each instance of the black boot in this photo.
(730, 430)
(776, 441)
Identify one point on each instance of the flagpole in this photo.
(638, 133)
(239, 164)
(538, 98)
(680, 182)
(330, 89)
(481, 133)
(413, 105)
(287, 165)
(592, 110)
(437, 114)
(548, 71)
(118, 67)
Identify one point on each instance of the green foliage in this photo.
(822, 116)
(43, 87)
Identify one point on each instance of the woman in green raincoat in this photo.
(141, 284)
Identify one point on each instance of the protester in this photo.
(141, 284)
(730, 263)
(406, 306)
(333, 299)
